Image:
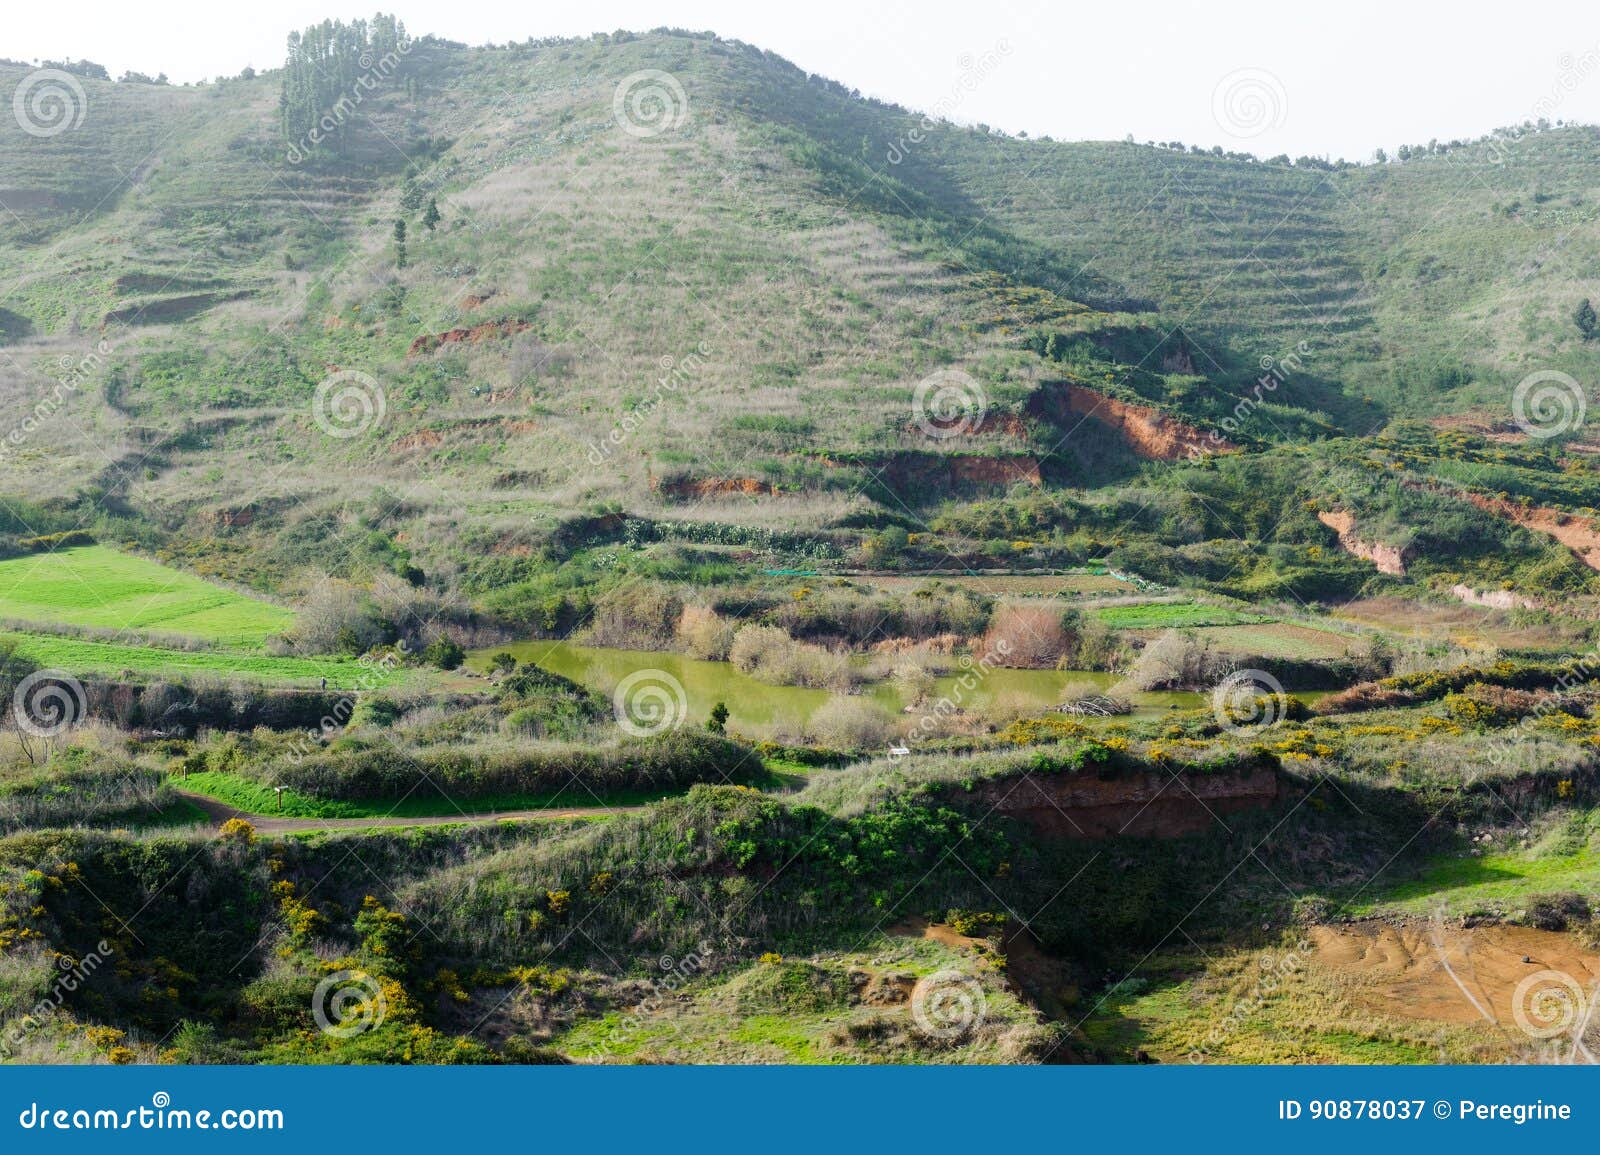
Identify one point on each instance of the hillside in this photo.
(728, 320)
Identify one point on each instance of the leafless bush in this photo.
(770, 654)
(844, 723)
(1031, 636)
(705, 633)
(1176, 659)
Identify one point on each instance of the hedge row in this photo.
(673, 761)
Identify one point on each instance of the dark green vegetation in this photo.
(431, 353)
(492, 943)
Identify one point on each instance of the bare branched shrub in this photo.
(770, 654)
(635, 617)
(705, 634)
(1176, 659)
(850, 724)
(1030, 636)
(337, 617)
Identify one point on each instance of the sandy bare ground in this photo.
(1510, 976)
(220, 812)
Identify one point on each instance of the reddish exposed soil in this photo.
(433, 438)
(1386, 558)
(1143, 805)
(1576, 533)
(488, 331)
(687, 487)
(421, 439)
(1450, 974)
(1150, 433)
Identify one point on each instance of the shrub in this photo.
(705, 633)
(1030, 636)
(1557, 911)
(444, 652)
(770, 654)
(851, 724)
(635, 617)
(670, 761)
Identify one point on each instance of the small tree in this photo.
(430, 215)
(410, 196)
(444, 652)
(1586, 319)
(718, 722)
(502, 663)
(399, 244)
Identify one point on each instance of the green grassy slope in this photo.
(100, 587)
(728, 320)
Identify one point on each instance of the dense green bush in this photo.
(377, 769)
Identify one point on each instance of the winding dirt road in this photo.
(220, 812)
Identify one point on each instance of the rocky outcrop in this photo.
(488, 331)
(1148, 804)
(1152, 434)
(1386, 558)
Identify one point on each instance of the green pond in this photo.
(759, 710)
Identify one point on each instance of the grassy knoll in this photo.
(102, 588)
(1279, 640)
(79, 656)
(1565, 859)
(1188, 1007)
(810, 1011)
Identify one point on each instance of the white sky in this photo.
(1332, 79)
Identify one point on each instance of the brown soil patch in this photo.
(1150, 433)
(488, 331)
(1386, 558)
(992, 424)
(421, 439)
(1490, 428)
(687, 487)
(1450, 974)
(1576, 533)
(882, 989)
(1135, 805)
(433, 438)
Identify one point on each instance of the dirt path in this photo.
(220, 812)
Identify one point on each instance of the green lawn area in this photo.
(104, 588)
(1167, 615)
(1278, 640)
(1459, 884)
(84, 657)
(425, 802)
